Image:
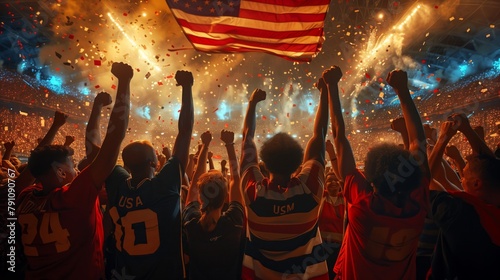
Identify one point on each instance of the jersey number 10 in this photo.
(124, 227)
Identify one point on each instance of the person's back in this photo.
(388, 203)
(331, 219)
(62, 229)
(380, 234)
(62, 234)
(145, 208)
(283, 239)
(214, 237)
(147, 223)
(282, 221)
(465, 250)
(468, 245)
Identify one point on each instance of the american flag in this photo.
(292, 29)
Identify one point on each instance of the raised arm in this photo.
(248, 148)
(105, 160)
(456, 157)
(430, 134)
(190, 166)
(59, 120)
(166, 152)
(234, 183)
(450, 174)
(223, 168)
(186, 118)
(201, 167)
(68, 140)
(398, 79)
(345, 157)
(9, 147)
(210, 161)
(333, 158)
(315, 148)
(25, 179)
(478, 145)
(435, 159)
(92, 131)
(399, 125)
(161, 161)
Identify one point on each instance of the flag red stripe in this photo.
(228, 49)
(276, 46)
(299, 57)
(246, 31)
(287, 28)
(293, 3)
(272, 17)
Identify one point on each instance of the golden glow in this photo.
(133, 43)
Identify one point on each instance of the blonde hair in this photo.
(213, 190)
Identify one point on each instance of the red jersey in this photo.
(331, 219)
(381, 239)
(62, 231)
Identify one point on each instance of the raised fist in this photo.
(206, 137)
(103, 99)
(122, 70)
(59, 119)
(448, 129)
(69, 140)
(332, 75)
(320, 84)
(452, 151)
(430, 133)
(184, 78)
(461, 122)
(9, 145)
(398, 124)
(258, 95)
(398, 79)
(227, 136)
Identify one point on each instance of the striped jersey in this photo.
(283, 240)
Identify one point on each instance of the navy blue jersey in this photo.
(216, 254)
(146, 224)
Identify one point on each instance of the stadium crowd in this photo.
(377, 203)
